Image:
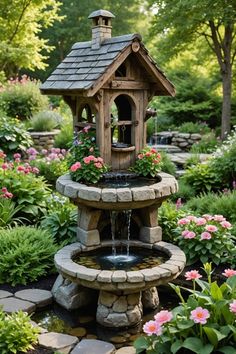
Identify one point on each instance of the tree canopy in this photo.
(20, 24)
(181, 22)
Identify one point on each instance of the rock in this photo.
(4, 294)
(11, 304)
(40, 297)
(120, 305)
(107, 299)
(150, 298)
(126, 350)
(57, 341)
(93, 346)
(78, 332)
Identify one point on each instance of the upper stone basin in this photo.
(117, 198)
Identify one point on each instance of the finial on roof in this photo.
(101, 28)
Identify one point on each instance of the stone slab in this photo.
(40, 297)
(126, 350)
(11, 304)
(4, 294)
(93, 346)
(57, 341)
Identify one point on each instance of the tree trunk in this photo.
(226, 104)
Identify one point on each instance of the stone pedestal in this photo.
(119, 310)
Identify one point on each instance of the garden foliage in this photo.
(148, 163)
(26, 254)
(17, 334)
(45, 121)
(202, 324)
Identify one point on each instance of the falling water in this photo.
(113, 216)
(128, 220)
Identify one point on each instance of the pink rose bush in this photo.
(206, 238)
(148, 163)
(203, 322)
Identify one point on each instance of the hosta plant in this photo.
(206, 238)
(148, 163)
(204, 323)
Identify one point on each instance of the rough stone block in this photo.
(93, 346)
(119, 276)
(143, 193)
(40, 297)
(57, 341)
(105, 276)
(109, 195)
(90, 193)
(11, 304)
(124, 195)
(150, 234)
(4, 294)
(134, 276)
(88, 238)
(150, 274)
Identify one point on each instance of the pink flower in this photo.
(86, 129)
(20, 168)
(191, 217)
(4, 166)
(8, 195)
(35, 170)
(211, 228)
(91, 149)
(2, 155)
(32, 151)
(229, 273)
(44, 151)
(192, 275)
(207, 217)
(183, 221)
(178, 203)
(218, 218)
(75, 166)
(190, 234)
(200, 221)
(4, 189)
(98, 165)
(100, 159)
(200, 315)
(184, 233)
(17, 156)
(232, 306)
(205, 236)
(152, 327)
(153, 151)
(32, 157)
(148, 153)
(86, 160)
(163, 317)
(225, 224)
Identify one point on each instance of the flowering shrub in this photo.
(85, 164)
(203, 324)
(90, 169)
(148, 163)
(51, 163)
(28, 190)
(206, 238)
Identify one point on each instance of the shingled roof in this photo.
(84, 65)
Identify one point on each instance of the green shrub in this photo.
(185, 192)
(206, 145)
(167, 165)
(201, 177)
(17, 334)
(13, 135)
(61, 220)
(64, 138)
(190, 127)
(29, 191)
(8, 210)
(22, 99)
(45, 121)
(26, 254)
(168, 215)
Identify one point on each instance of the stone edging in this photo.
(74, 190)
(119, 279)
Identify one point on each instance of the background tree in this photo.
(182, 22)
(76, 27)
(20, 24)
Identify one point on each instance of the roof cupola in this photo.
(101, 28)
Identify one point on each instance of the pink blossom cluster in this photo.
(153, 154)
(49, 155)
(205, 227)
(21, 168)
(228, 273)
(96, 161)
(5, 193)
(156, 326)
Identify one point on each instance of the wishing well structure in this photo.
(108, 83)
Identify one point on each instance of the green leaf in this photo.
(140, 344)
(193, 343)
(216, 292)
(176, 346)
(213, 335)
(207, 349)
(227, 350)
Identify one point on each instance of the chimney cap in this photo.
(101, 13)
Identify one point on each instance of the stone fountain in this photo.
(108, 83)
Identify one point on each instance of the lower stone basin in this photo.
(126, 288)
